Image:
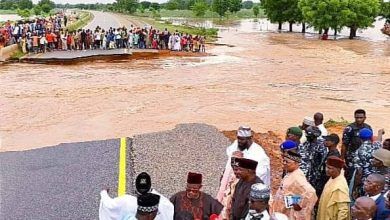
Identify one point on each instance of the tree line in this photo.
(323, 15)
(199, 7)
(26, 8)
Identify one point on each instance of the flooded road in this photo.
(267, 80)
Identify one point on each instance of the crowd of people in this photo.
(321, 180)
(12, 33)
(134, 37)
(40, 36)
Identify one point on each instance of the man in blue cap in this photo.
(351, 141)
(288, 145)
(362, 160)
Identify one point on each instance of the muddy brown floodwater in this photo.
(268, 80)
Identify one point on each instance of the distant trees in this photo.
(25, 4)
(126, 5)
(275, 11)
(179, 4)
(199, 8)
(221, 7)
(37, 10)
(256, 10)
(16, 4)
(385, 10)
(145, 4)
(361, 14)
(8, 5)
(326, 14)
(234, 5)
(24, 13)
(155, 6)
(247, 4)
(45, 6)
(25, 8)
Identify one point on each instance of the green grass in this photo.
(7, 12)
(243, 13)
(153, 18)
(333, 123)
(17, 55)
(210, 33)
(85, 18)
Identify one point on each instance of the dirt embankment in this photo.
(270, 142)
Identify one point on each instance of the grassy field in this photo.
(85, 18)
(340, 122)
(243, 13)
(152, 17)
(7, 12)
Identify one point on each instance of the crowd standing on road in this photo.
(41, 36)
(23, 32)
(134, 37)
(318, 181)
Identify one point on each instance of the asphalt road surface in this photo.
(105, 20)
(64, 181)
(59, 182)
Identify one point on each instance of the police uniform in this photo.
(363, 159)
(312, 154)
(352, 142)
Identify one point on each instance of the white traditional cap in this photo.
(259, 191)
(244, 131)
(308, 121)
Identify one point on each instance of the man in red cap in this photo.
(193, 203)
(334, 201)
(246, 172)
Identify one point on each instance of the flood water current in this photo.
(267, 80)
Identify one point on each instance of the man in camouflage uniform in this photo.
(312, 152)
(351, 141)
(362, 160)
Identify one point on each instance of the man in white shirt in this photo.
(126, 205)
(374, 186)
(318, 121)
(258, 202)
(307, 122)
(250, 150)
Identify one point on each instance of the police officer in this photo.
(352, 141)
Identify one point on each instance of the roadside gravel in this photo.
(169, 155)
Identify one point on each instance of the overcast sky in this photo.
(91, 1)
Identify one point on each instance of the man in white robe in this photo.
(250, 150)
(177, 40)
(126, 205)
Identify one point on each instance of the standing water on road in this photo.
(267, 80)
